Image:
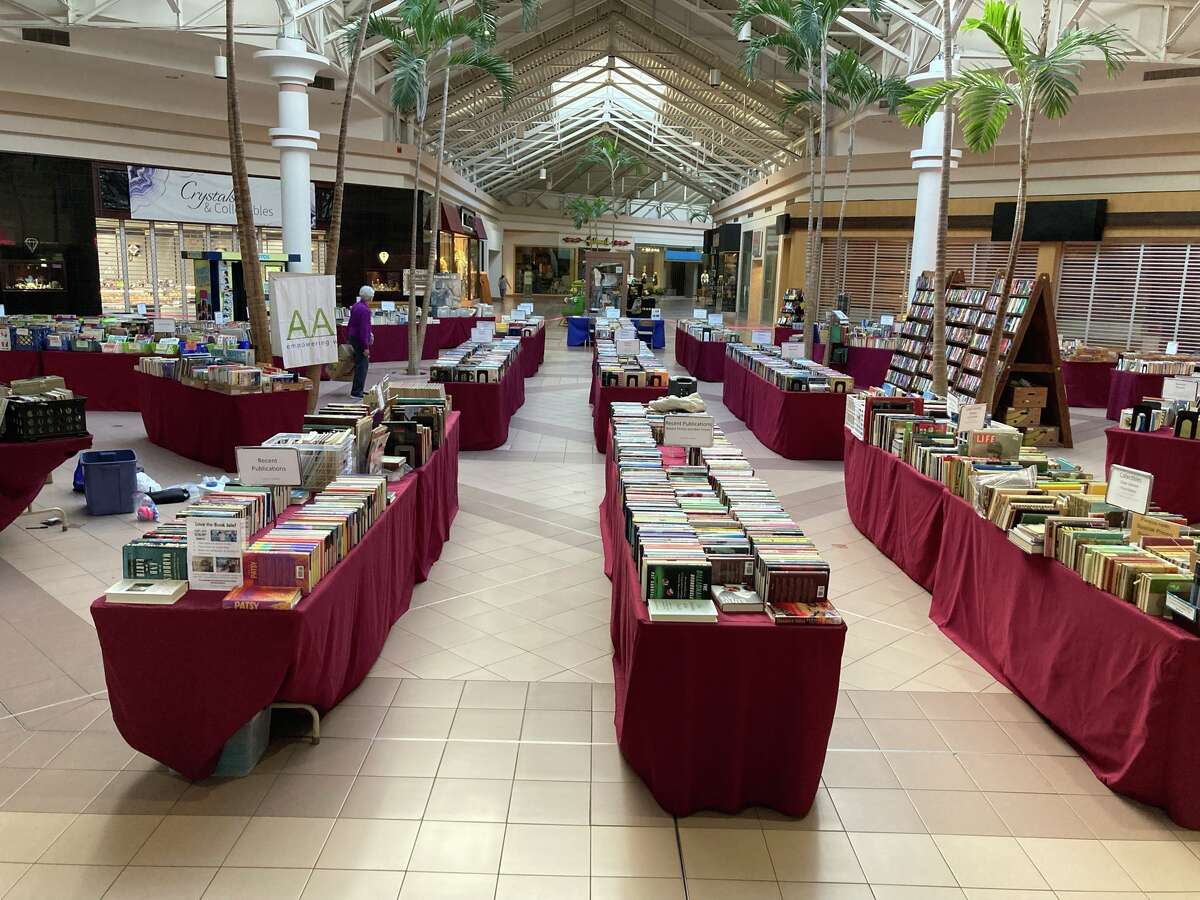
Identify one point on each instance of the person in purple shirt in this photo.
(360, 337)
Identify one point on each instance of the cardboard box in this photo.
(1028, 396)
(1041, 436)
(38, 385)
(1023, 415)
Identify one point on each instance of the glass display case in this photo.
(44, 273)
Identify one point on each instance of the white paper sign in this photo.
(656, 314)
(303, 310)
(164, 326)
(387, 305)
(219, 317)
(972, 416)
(760, 337)
(1129, 489)
(1187, 389)
(685, 430)
(141, 309)
(480, 335)
(716, 319)
(612, 313)
(792, 350)
(525, 308)
(698, 313)
(953, 405)
(214, 549)
(5, 338)
(887, 319)
(1172, 347)
(2, 312)
(628, 347)
(268, 465)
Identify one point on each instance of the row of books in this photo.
(1154, 413)
(615, 369)
(415, 417)
(711, 530)
(790, 374)
(222, 371)
(475, 362)
(118, 333)
(1158, 364)
(703, 331)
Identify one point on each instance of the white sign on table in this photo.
(164, 326)
(480, 335)
(887, 319)
(526, 308)
(716, 319)
(656, 314)
(268, 465)
(219, 317)
(1172, 348)
(214, 552)
(628, 347)
(612, 313)
(792, 350)
(1129, 489)
(972, 416)
(387, 305)
(761, 337)
(687, 430)
(302, 316)
(1187, 389)
(141, 309)
(698, 313)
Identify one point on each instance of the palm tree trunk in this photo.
(812, 308)
(940, 385)
(414, 351)
(334, 236)
(437, 205)
(260, 326)
(809, 293)
(840, 272)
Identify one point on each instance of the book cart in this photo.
(1029, 393)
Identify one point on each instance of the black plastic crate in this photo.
(39, 420)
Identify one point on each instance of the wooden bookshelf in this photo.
(1029, 353)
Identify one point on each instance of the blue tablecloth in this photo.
(577, 331)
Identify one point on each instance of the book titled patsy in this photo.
(250, 596)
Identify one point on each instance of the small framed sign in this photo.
(1129, 489)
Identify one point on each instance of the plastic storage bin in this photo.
(109, 481)
(243, 751)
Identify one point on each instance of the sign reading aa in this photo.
(687, 430)
(268, 465)
(302, 317)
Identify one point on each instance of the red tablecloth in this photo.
(391, 341)
(1126, 389)
(208, 425)
(602, 399)
(15, 364)
(867, 365)
(1174, 462)
(795, 424)
(533, 353)
(723, 716)
(1119, 684)
(182, 679)
(896, 507)
(1087, 383)
(108, 380)
(437, 497)
(487, 408)
(783, 335)
(704, 360)
(24, 467)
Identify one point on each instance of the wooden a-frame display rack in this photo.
(1031, 354)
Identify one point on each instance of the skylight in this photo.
(608, 84)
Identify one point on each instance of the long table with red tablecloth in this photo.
(704, 360)
(207, 425)
(24, 467)
(602, 399)
(182, 679)
(1174, 462)
(1126, 389)
(1087, 383)
(1116, 683)
(391, 341)
(795, 424)
(487, 408)
(718, 716)
(106, 379)
(868, 366)
(533, 352)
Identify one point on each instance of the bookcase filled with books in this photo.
(1029, 394)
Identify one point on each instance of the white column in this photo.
(293, 68)
(927, 160)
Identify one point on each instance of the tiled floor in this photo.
(478, 760)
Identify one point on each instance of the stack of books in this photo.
(702, 331)
(789, 374)
(642, 370)
(475, 362)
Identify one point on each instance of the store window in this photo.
(542, 270)
(112, 278)
(459, 254)
(770, 271)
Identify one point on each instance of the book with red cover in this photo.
(251, 596)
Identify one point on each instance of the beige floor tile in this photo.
(190, 841)
(901, 859)
(161, 883)
(545, 695)
(550, 762)
(813, 856)
(139, 793)
(487, 724)
(283, 842)
(635, 852)
(975, 737)
(416, 722)
(478, 759)
(725, 889)
(957, 812)
(1036, 738)
(989, 862)
(550, 803)
(393, 797)
(26, 836)
(348, 721)
(1119, 818)
(558, 725)
(1008, 708)
(10, 874)
(466, 847)
(224, 796)
(469, 800)
(333, 756)
(101, 840)
(493, 695)
(637, 889)
(626, 803)
(42, 882)
(722, 853)
(1069, 865)
(869, 809)
(107, 752)
(905, 734)
(953, 706)
(379, 844)
(349, 884)
(1158, 865)
(858, 769)
(307, 796)
(542, 887)
(261, 884)
(885, 705)
(546, 850)
(447, 886)
(792, 890)
(929, 771)
(58, 791)
(851, 734)
(372, 692)
(428, 692)
(416, 759)
(1004, 772)
(1038, 815)
(909, 892)
(525, 667)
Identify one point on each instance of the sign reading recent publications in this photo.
(214, 552)
(268, 465)
(1129, 489)
(175, 195)
(302, 317)
(687, 430)
(763, 338)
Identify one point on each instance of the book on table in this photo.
(146, 592)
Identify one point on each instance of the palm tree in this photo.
(586, 211)
(420, 38)
(606, 152)
(1036, 80)
(355, 39)
(256, 304)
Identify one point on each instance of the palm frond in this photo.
(917, 107)
(489, 63)
(783, 10)
(529, 13)
(797, 100)
(799, 56)
(1001, 24)
(410, 80)
(985, 101)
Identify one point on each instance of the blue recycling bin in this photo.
(109, 481)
